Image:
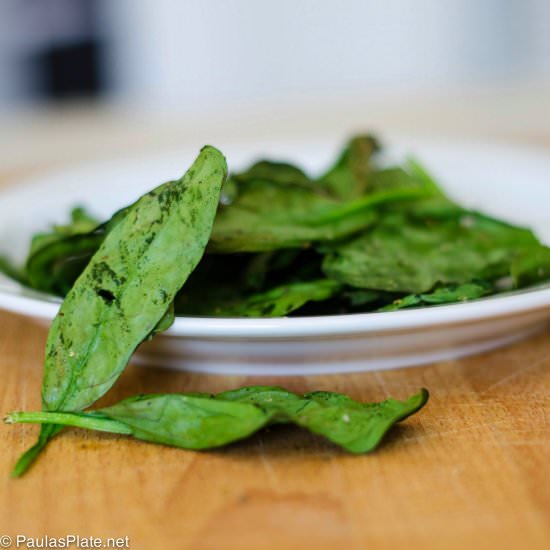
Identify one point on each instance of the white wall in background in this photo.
(209, 51)
(202, 52)
(13, 78)
(540, 16)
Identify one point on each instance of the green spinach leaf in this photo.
(444, 295)
(407, 254)
(351, 176)
(275, 302)
(276, 208)
(127, 287)
(200, 421)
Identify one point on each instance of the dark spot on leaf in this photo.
(107, 295)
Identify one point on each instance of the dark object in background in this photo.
(59, 48)
(69, 70)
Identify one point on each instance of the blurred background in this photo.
(87, 77)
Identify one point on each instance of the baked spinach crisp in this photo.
(361, 237)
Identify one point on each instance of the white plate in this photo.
(509, 182)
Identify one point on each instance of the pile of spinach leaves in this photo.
(361, 237)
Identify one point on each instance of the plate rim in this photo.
(522, 301)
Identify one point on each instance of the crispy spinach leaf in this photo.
(127, 287)
(351, 175)
(267, 216)
(279, 173)
(81, 221)
(532, 268)
(129, 284)
(200, 421)
(357, 427)
(54, 263)
(408, 254)
(251, 285)
(443, 295)
(364, 299)
(53, 280)
(275, 206)
(275, 302)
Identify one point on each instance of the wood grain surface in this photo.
(471, 470)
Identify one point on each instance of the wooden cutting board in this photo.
(469, 471)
